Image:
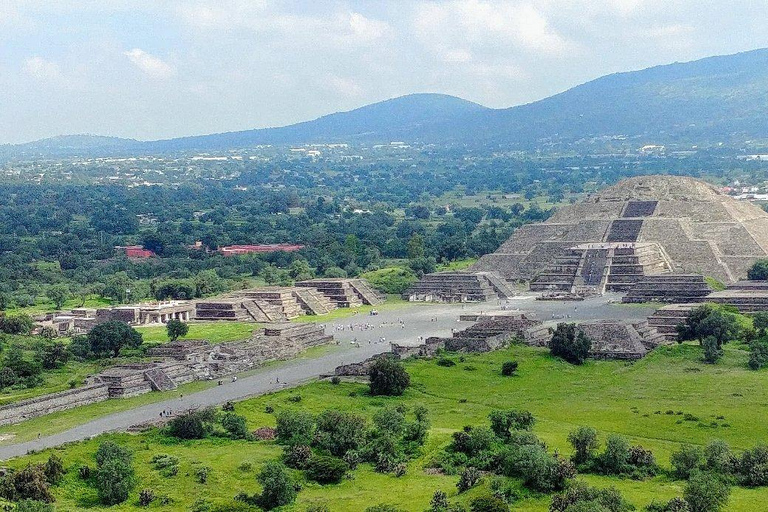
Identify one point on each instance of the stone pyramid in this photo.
(697, 228)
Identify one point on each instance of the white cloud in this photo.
(43, 69)
(149, 64)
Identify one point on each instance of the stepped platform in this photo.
(276, 303)
(239, 309)
(747, 301)
(339, 291)
(613, 339)
(698, 228)
(365, 291)
(666, 319)
(459, 287)
(669, 288)
(489, 333)
(596, 268)
(312, 301)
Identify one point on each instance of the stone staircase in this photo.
(339, 291)
(670, 288)
(666, 319)
(262, 311)
(366, 293)
(313, 302)
(279, 299)
(159, 380)
(502, 288)
(452, 287)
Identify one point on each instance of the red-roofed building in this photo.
(135, 251)
(232, 250)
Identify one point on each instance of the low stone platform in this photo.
(620, 340)
(666, 319)
(459, 287)
(670, 288)
(344, 293)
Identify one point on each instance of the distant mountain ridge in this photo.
(712, 99)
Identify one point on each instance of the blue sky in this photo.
(164, 68)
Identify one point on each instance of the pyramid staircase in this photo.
(339, 291)
(366, 293)
(159, 380)
(263, 311)
(313, 302)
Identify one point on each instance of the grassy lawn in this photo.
(215, 332)
(614, 397)
(54, 381)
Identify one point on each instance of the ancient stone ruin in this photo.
(615, 339)
(459, 287)
(177, 363)
(684, 223)
(670, 288)
(345, 293)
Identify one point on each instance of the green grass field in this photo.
(215, 332)
(615, 397)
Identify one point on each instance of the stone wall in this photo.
(46, 404)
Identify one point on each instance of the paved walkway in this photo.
(417, 320)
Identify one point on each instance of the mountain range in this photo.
(723, 98)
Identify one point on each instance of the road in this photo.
(417, 320)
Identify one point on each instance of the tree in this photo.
(584, 442)
(758, 353)
(110, 337)
(706, 492)
(16, 324)
(235, 426)
(28, 483)
(508, 368)
(758, 271)
(686, 460)
(504, 421)
(326, 470)
(388, 377)
(488, 503)
(193, 425)
(567, 344)
(295, 428)
(176, 329)
(53, 355)
(114, 473)
(339, 432)
(712, 350)
(58, 294)
(278, 489)
(416, 247)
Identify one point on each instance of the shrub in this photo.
(278, 489)
(114, 481)
(335, 380)
(758, 354)
(472, 441)
(295, 427)
(84, 472)
(712, 350)
(235, 426)
(508, 368)
(753, 466)
(202, 473)
(390, 421)
(584, 442)
(446, 362)
(33, 506)
(326, 470)
(539, 470)
(567, 344)
(339, 432)
(673, 505)
(686, 460)
(297, 456)
(383, 507)
(228, 407)
(54, 470)
(469, 478)
(146, 497)
(504, 421)
(615, 458)
(439, 502)
(718, 457)
(28, 483)
(388, 377)
(176, 329)
(488, 503)
(193, 425)
(578, 495)
(706, 492)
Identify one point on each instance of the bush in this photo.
(335, 380)
(539, 470)
(114, 481)
(339, 432)
(295, 427)
(28, 483)
(712, 350)
(579, 496)
(297, 456)
(706, 492)
(193, 425)
(146, 497)
(508, 368)
(278, 489)
(686, 460)
(16, 324)
(673, 505)
(488, 504)
(758, 354)
(202, 473)
(33, 506)
(54, 470)
(235, 426)
(719, 458)
(758, 271)
(470, 477)
(176, 329)
(615, 458)
(584, 442)
(388, 377)
(753, 466)
(326, 470)
(569, 344)
(504, 421)
(446, 362)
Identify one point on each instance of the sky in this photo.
(150, 69)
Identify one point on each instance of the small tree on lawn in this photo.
(388, 377)
(58, 294)
(706, 492)
(584, 442)
(277, 485)
(110, 337)
(176, 329)
(569, 344)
